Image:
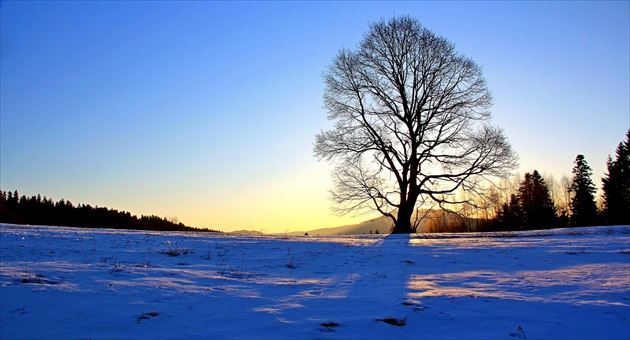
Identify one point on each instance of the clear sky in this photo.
(207, 111)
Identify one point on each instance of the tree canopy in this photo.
(412, 124)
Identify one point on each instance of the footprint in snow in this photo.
(394, 321)
(147, 316)
(417, 307)
(329, 327)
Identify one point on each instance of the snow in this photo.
(98, 283)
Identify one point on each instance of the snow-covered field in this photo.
(80, 283)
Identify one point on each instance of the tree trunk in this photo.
(403, 222)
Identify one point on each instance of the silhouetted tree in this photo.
(412, 124)
(537, 207)
(510, 216)
(583, 208)
(616, 185)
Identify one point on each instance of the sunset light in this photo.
(314, 169)
(207, 112)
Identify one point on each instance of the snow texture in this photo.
(97, 283)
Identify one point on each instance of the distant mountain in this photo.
(382, 224)
(247, 232)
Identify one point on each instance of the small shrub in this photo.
(292, 264)
(176, 251)
(236, 272)
(30, 276)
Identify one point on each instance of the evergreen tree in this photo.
(583, 208)
(616, 185)
(536, 206)
(510, 216)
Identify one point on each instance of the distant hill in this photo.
(382, 224)
(246, 232)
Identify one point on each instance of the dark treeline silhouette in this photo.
(531, 207)
(616, 185)
(531, 204)
(38, 210)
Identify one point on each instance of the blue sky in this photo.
(207, 111)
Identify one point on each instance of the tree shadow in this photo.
(559, 283)
(385, 286)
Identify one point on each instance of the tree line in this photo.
(38, 210)
(538, 203)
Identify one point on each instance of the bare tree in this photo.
(411, 124)
(565, 184)
(560, 193)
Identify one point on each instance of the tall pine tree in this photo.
(583, 208)
(537, 207)
(616, 185)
